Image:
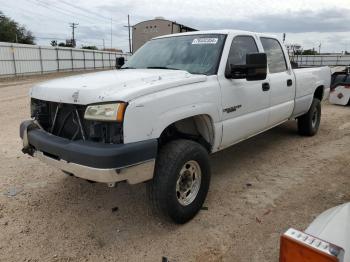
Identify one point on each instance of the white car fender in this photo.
(152, 125)
(147, 117)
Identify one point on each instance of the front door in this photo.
(245, 104)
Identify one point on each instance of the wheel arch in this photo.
(199, 128)
(319, 92)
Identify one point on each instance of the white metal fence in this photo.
(20, 59)
(322, 60)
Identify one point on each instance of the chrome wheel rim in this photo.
(188, 183)
(314, 118)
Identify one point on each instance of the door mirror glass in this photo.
(254, 69)
(119, 62)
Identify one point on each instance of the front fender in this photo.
(148, 116)
(145, 123)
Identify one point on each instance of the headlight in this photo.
(106, 112)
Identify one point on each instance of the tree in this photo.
(309, 52)
(11, 31)
(67, 44)
(91, 47)
(53, 43)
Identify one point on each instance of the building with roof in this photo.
(146, 30)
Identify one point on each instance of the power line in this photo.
(62, 11)
(42, 14)
(66, 13)
(37, 15)
(93, 19)
(84, 9)
(47, 35)
(49, 7)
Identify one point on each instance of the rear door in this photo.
(245, 104)
(281, 79)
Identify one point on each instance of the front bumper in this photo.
(107, 163)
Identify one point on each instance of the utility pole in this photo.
(319, 49)
(73, 26)
(111, 33)
(129, 26)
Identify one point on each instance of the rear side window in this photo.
(241, 45)
(275, 56)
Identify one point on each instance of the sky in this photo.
(310, 23)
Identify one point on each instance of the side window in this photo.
(241, 45)
(275, 57)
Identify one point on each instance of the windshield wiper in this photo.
(128, 67)
(162, 67)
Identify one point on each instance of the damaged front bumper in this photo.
(99, 162)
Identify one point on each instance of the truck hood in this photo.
(113, 85)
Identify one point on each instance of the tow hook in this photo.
(28, 150)
(27, 126)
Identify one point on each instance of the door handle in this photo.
(265, 87)
(289, 82)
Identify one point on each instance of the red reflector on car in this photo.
(297, 246)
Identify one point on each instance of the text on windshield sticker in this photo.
(204, 41)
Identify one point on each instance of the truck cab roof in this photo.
(222, 31)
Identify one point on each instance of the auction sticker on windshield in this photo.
(204, 41)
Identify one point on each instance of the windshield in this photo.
(197, 54)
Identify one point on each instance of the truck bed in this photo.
(306, 80)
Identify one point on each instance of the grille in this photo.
(67, 121)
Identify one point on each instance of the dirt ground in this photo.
(259, 188)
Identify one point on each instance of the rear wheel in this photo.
(309, 123)
(181, 180)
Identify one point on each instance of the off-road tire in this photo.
(309, 123)
(162, 189)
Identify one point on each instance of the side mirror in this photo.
(254, 69)
(119, 62)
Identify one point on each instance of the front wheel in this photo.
(181, 180)
(309, 123)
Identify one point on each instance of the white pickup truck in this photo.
(178, 98)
